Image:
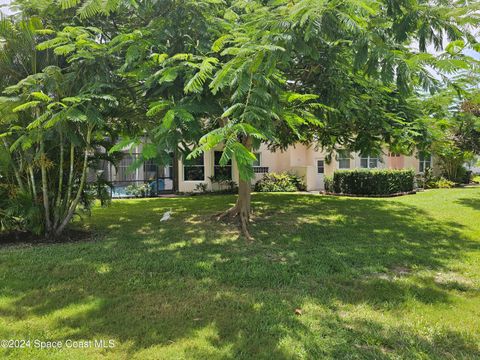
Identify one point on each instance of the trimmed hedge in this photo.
(371, 182)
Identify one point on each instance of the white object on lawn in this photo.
(167, 215)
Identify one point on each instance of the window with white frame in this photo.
(194, 169)
(425, 161)
(343, 159)
(369, 162)
(321, 166)
(257, 165)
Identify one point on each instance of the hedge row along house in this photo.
(206, 173)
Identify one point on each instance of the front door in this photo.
(320, 170)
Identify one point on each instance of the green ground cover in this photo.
(374, 278)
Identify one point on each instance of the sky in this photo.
(5, 10)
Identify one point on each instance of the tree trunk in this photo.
(34, 185)
(70, 176)
(176, 173)
(242, 208)
(46, 202)
(76, 200)
(15, 171)
(60, 184)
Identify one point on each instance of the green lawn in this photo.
(374, 278)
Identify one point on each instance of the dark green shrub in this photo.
(465, 177)
(426, 179)
(298, 181)
(283, 182)
(201, 188)
(328, 183)
(18, 211)
(373, 182)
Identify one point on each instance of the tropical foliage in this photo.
(283, 182)
(453, 126)
(186, 76)
(52, 121)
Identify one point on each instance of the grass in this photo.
(374, 279)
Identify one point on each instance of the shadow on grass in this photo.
(472, 203)
(159, 284)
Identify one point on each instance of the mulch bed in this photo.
(26, 238)
(370, 196)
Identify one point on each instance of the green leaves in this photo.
(244, 159)
(220, 43)
(278, 72)
(455, 47)
(149, 151)
(205, 70)
(72, 100)
(159, 58)
(124, 143)
(67, 4)
(41, 96)
(222, 77)
(292, 97)
(158, 106)
(168, 112)
(75, 43)
(168, 75)
(229, 139)
(26, 106)
(90, 8)
(168, 119)
(64, 49)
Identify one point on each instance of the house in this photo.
(190, 175)
(474, 165)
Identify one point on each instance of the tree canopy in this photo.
(188, 76)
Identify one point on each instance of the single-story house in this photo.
(310, 163)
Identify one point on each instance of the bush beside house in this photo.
(371, 182)
(280, 182)
(428, 180)
(138, 190)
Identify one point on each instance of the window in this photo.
(369, 162)
(260, 169)
(194, 169)
(391, 154)
(257, 162)
(257, 165)
(221, 172)
(126, 171)
(343, 159)
(151, 169)
(320, 166)
(425, 160)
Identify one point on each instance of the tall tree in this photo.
(329, 73)
(52, 120)
(202, 74)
